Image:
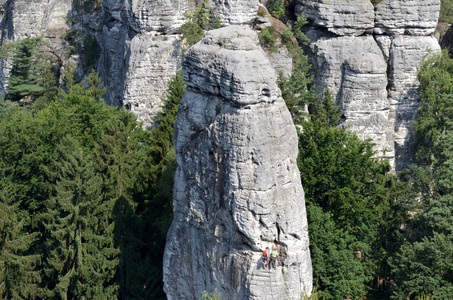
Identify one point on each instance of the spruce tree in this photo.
(347, 196)
(19, 275)
(115, 162)
(26, 67)
(81, 258)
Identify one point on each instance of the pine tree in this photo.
(436, 111)
(19, 276)
(347, 194)
(115, 162)
(26, 68)
(425, 263)
(81, 259)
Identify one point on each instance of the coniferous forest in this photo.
(86, 193)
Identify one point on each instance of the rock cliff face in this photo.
(237, 187)
(368, 57)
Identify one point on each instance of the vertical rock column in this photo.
(237, 187)
(368, 56)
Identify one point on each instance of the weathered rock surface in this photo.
(411, 17)
(342, 17)
(233, 12)
(237, 187)
(31, 18)
(370, 64)
(142, 51)
(153, 60)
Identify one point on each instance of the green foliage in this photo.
(192, 33)
(199, 20)
(267, 38)
(314, 296)
(81, 258)
(26, 67)
(158, 172)
(436, 112)
(424, 263)
(277, 8)
(337, 269)
(211, 296)
(91, 193)
(347, 195)
(18, 277)
(86, 5)
(446, 11)
(297, 29)
(297, 91)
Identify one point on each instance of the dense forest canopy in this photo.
(86, 193)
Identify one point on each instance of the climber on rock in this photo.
(274, 256)
(265, 258)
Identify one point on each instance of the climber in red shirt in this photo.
(266, 258)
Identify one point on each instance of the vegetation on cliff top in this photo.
(85, 205)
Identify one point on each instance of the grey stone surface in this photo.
(233, 12)
(406, 54)
(373, 76)
(153, 60)
(342, 17)
(411, 17)
(237, 187)
(31, 18)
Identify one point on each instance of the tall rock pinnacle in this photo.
(237, 187)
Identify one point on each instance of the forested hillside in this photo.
(86, 192)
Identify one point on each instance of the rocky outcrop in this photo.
(237, 187)
(31, 18)
(342, 17)
(368, 57)
(142, 50)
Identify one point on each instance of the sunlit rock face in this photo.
(142, 48)
(368, 57)
(237, 187)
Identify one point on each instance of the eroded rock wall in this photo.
(368, 57)
(142, 49)
(237, 187)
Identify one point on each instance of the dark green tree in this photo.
(115, 162)
(81, 258)
(347, 190)
(19, 277)
(297, 90)
(26, 68)
(436, 111)
(425, 263)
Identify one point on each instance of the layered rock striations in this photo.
(368, 57)
(140, 46)
(237, 187)
(367, 54)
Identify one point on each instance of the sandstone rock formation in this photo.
(368, 57)
(237, 187)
